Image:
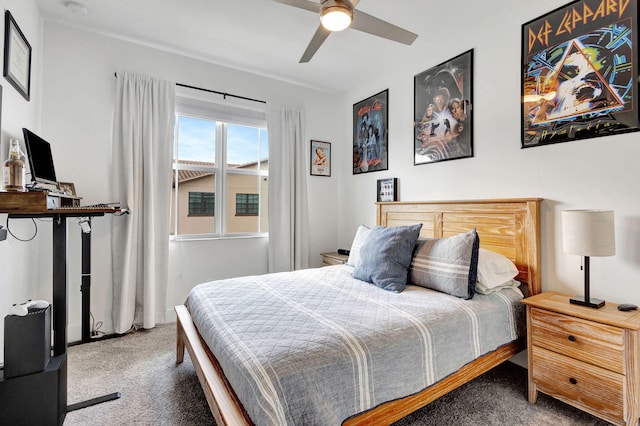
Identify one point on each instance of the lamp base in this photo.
(591, 302)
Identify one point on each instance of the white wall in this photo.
(19, 277)
(77, 106)
(598, 173)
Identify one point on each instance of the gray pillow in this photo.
(449, 265)
(385, 256)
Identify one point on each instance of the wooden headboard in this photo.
(507, 226)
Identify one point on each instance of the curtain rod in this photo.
(224, 95)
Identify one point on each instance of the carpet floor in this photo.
(156, 391)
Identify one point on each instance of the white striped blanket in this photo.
(317, 346)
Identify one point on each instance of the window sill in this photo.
(184, 238)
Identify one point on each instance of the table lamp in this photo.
(588, 233)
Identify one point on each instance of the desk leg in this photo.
(59, 284)
(85, 287)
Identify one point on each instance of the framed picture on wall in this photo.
(320, 158)
(442, 111)
(17, 57)
(370, 134)
(387, 189)
(580, 72)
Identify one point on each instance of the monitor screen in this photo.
(40, 158)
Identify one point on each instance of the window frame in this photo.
(220, 171)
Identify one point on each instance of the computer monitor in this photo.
(40, 158)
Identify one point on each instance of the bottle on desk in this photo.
(14, 171)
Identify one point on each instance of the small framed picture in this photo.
(17, 57)
(388, 189)
(320, 158)
(67, 188)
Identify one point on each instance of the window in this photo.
(220, 168)
(247, 204)
(202, 203)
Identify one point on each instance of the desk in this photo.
(35, 206)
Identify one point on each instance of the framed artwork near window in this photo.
(320, 158)
(580, 72)
(370, 134)
(387, 189)
(443, 116)
(17, 57)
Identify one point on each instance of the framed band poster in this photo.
(580, 72)
(370, 134)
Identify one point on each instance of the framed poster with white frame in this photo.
(320, 158)
(17, 57)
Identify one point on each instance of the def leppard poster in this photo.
(370, 133)
(579, 72)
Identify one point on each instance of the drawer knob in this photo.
(572, 338)
(573, 381)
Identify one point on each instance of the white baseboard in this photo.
(520, 359)
(171, 316)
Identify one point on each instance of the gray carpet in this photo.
(156, 391)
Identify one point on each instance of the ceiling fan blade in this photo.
(318, 38)
(372, 25)
(302, 4)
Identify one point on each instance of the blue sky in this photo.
(197, 141)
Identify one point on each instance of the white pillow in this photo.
(494, 269)
(482, 289)
(361, 235)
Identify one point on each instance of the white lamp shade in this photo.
(588, 232)
(336, 18)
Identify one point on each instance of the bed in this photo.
(506, 226)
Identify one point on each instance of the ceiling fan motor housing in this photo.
(336, 15)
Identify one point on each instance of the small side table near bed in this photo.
(334, 258)
(588, 358)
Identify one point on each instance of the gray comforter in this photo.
(317, 346)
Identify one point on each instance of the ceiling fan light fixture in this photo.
(336, 18)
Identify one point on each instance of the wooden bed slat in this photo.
(507, 226)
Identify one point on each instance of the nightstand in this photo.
(588, 358)
(334, 258)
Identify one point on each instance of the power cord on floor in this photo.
(95, 327)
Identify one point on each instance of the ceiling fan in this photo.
(337, 15)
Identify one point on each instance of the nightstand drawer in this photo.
(589, 387)
(334, 258)
(589, 341)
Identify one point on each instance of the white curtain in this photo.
(142, 142)
(288, 205)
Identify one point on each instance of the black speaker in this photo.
(27, 342)
(36, 399)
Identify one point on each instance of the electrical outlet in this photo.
(3, 234)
